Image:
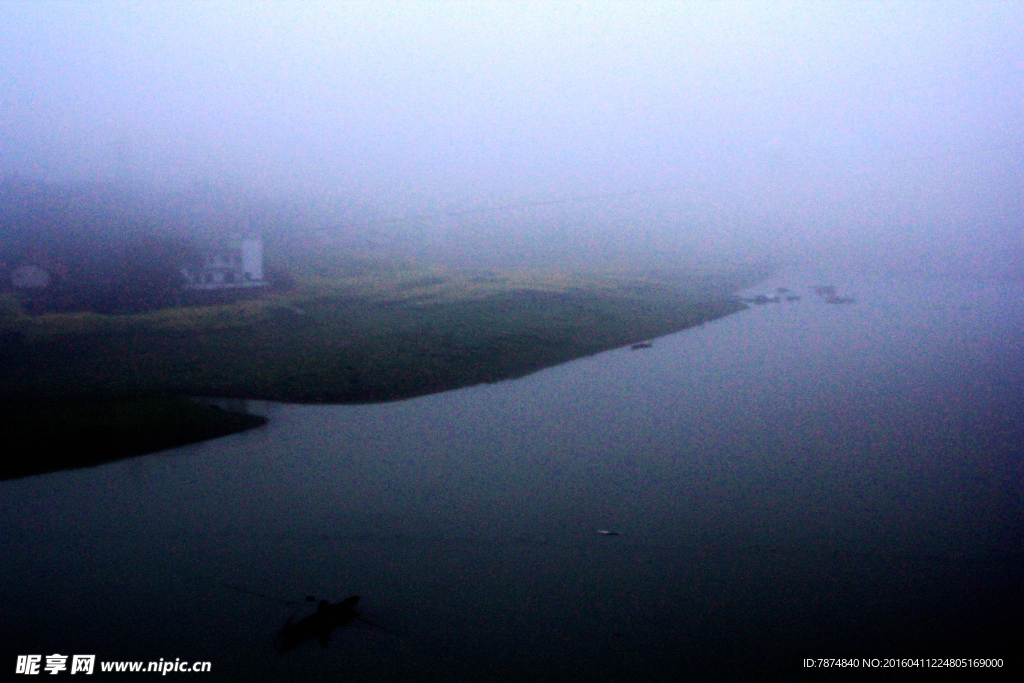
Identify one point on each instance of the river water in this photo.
(798, 480)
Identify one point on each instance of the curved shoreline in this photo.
(117, 391)
(50, 436)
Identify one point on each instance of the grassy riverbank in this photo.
(360, 340)
(378, 337)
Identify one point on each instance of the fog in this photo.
(885, 135)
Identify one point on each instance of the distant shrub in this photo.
(279, 279)
(10, 307)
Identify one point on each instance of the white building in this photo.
(238, 264)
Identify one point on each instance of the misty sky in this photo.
(888, 131)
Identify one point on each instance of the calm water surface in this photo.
(797, 480)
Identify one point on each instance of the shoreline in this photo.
(120, 389)
(51, 436)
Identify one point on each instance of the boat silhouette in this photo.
(319, 624)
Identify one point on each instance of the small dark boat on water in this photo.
(782, 294)
(761, 300)
(641, 345)
(831, 297)
(319, 624)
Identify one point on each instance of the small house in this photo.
(237, 264)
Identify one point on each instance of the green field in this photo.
(357, 340)
(378, 337)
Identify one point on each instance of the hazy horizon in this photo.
(578, 133)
